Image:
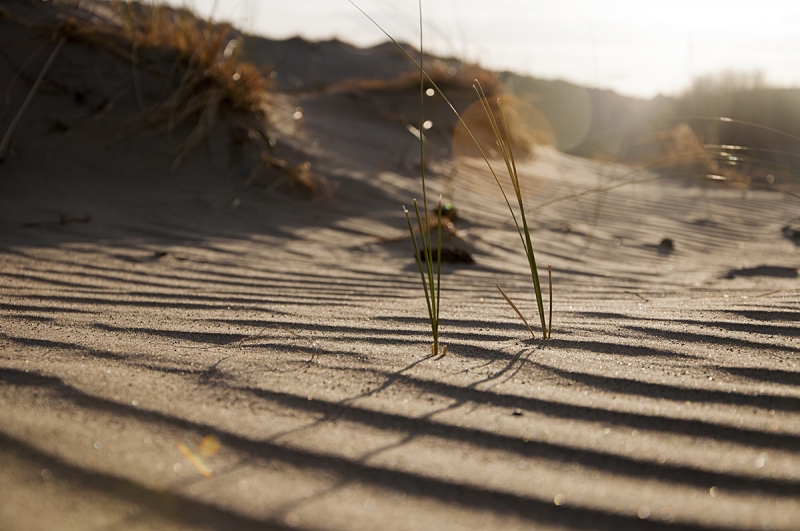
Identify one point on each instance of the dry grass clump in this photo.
(213, 77)
(449, 78)
(209, 53)
(199, 64)
(474, 134)
(204, 57)
(673, 149)
(528, 127)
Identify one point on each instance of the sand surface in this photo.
(184, 351)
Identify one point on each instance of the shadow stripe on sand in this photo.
(561, 410)
(710, 339)
(166, 504)
(602, 461)
(689, 427)
(535, 510)
(627, 386)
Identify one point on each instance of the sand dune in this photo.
(179, 350)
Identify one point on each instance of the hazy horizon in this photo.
(637, 49)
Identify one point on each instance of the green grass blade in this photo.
(426, 248)
(417, 258)
(421, 121)
(438, 259)
(428, 284)
(433, 285)
(487, 109)
(508, 140)
(495, 129)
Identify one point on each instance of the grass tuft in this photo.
(199, 62)
(213, 77)
(205, 55)
(504, 145)
(506, 150)
(430, 284)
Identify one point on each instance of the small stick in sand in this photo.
(514, 306)
(550, 318)
(7, 138)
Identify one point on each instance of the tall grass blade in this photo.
(419, 261)
(431, 285)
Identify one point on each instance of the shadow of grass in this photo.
(531, 509)
(560, 410)
(617, 349)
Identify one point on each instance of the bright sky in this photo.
(636, 47)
